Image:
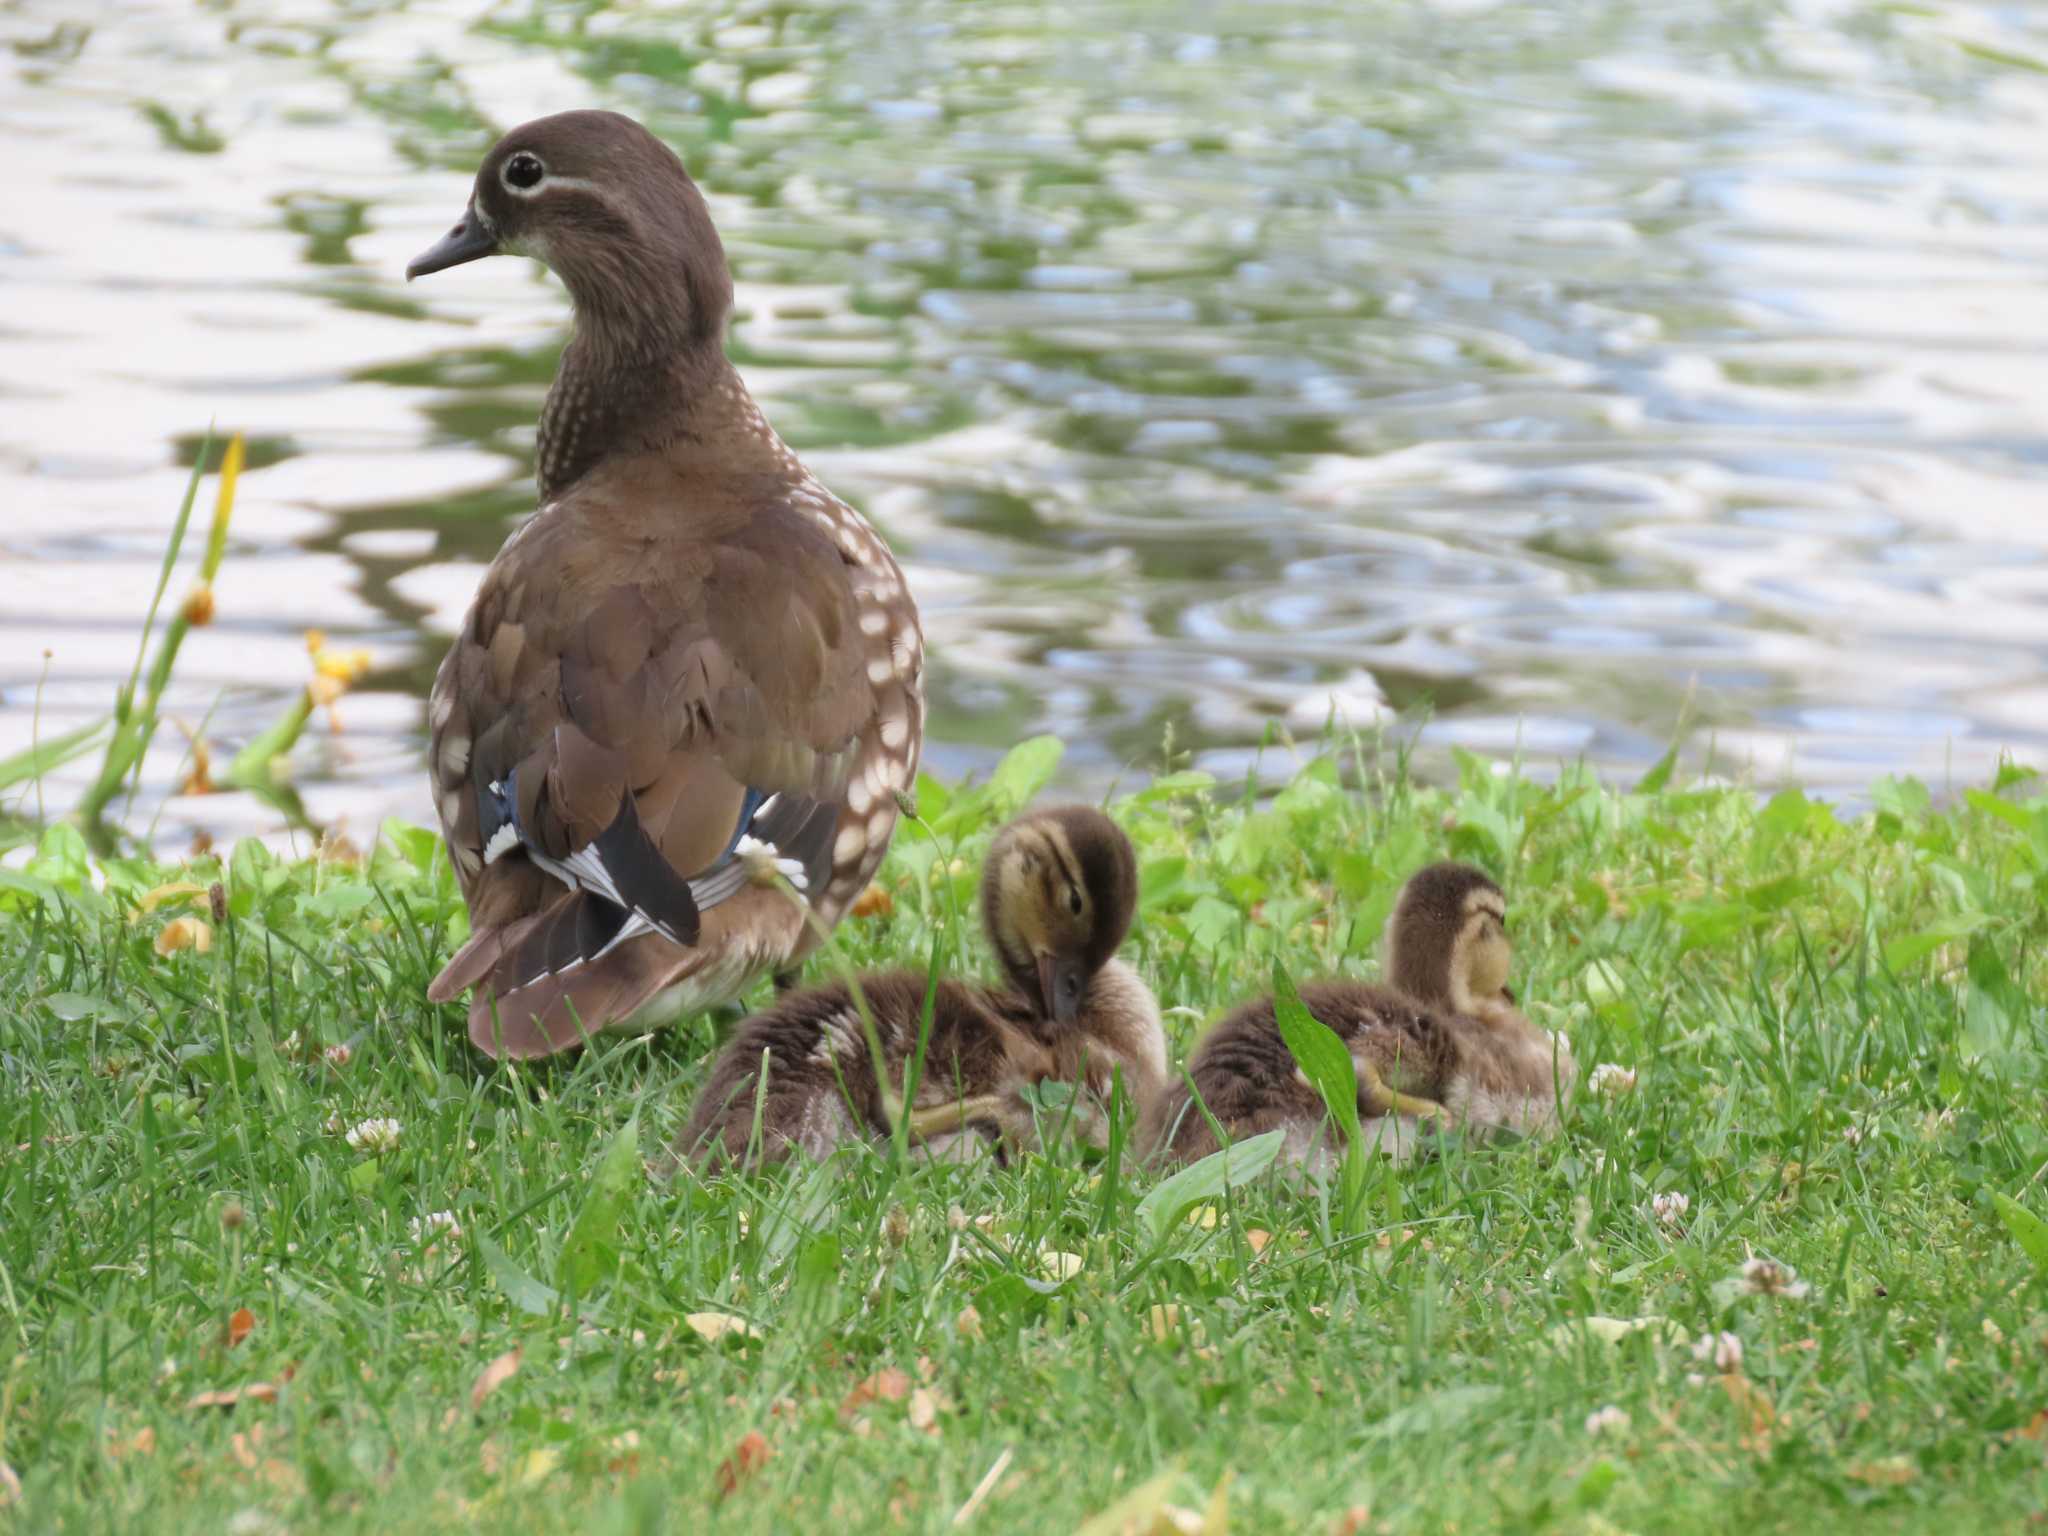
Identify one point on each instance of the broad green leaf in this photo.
(590, 1253)
(1322, 1057)
(520, 1288)
(1435, 1413)
(1212, 923)
(1172, 786)
(2027, 1229)
(1903, 954)
(801, 1210)
(2005, 811)
(1024, 771)
(1659, 774)
(1207, 1179)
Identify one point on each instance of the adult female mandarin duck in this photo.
(1442, 1041)
(1057, 896)
(689, 689)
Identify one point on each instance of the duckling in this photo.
(1444, 1041)
(1058, 892)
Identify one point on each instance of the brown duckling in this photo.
(1058, 892)
(1442, 1041)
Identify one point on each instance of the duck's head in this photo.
(1447, 943)
(1057, 896)
(610, 208)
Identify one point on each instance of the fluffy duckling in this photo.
(1058, 892)
(1443, 1041)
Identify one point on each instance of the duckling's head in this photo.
(610, 208)
(1057, 895)
(1448, 941)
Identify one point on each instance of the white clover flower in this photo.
(375, 1136)
(1767, 1277)
(1669, 1207)
(1853, 1134)
(1607, 1421)
(1722, 1350)
(765, 862)
(1611, 1080)
(436, 1224)
(337, 1056)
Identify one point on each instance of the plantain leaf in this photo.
(1659, 774)
(1319, 1053)
(1023, 772)
(2027, 1229)
(1208, 1179)
(590, 1253)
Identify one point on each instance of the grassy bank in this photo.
(230, 1122)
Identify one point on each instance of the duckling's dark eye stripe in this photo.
(1063, 856)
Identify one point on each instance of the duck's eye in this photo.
(524, 171)
(1073, 901)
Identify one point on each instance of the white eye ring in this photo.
(522, 162)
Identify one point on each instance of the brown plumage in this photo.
(1443, 1041)
(693, 681)
(1058, 892)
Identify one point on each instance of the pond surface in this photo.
(1544, 378)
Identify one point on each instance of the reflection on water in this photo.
(1549, 373)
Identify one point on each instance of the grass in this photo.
(1839, 1064)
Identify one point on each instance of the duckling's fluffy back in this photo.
(821, 1089)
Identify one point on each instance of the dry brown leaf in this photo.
(184, 933)
(1216, 1518)
(887, 1385)
(968, 1323)
(1352, 1521)
(872, 902)
(625, 1454)
(1137, 1513)
(1885, 1472)
(1059, 1265)
(1759, 1417)
(747, 1458)
(241, 1323)
(494, 1376)
(924, 1410)
(244, 1446)
(176, 890)
(2035, 1428)
(713, 1326)
(253, 1392)
(535, 1465)
(141, 1443)
(1258, 1237)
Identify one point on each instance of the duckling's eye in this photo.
(524, 171)
(1073, 901)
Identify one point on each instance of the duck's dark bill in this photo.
(467, 241)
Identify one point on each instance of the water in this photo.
(1545, 377)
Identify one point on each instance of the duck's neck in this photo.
(633, 379)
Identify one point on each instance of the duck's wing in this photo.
(635, 725)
